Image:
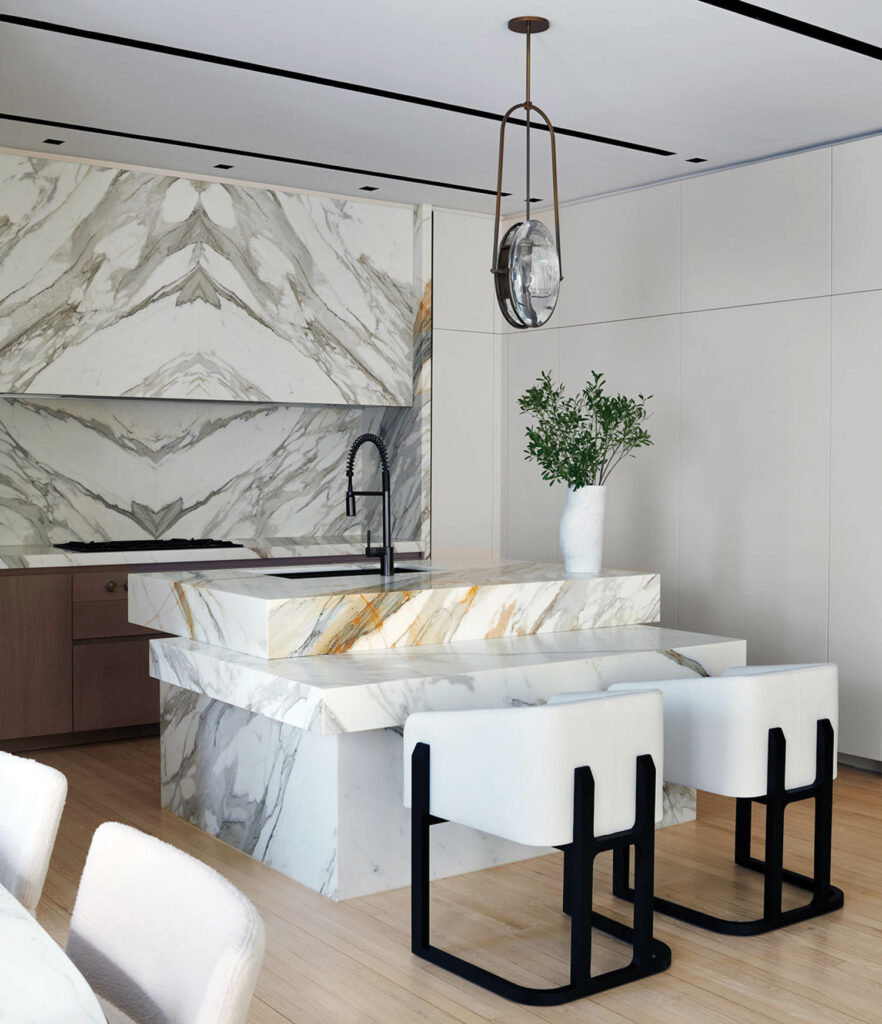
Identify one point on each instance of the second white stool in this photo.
(581, 778)
(766, 735)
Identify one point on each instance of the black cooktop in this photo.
(173, 544)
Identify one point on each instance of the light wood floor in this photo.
(351, 962)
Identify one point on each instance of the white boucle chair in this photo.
(764, 734)
(160, 936)
(580, 778)
(31, 803)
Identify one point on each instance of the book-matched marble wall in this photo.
(129, 468)
(119, 283)
(93, 469)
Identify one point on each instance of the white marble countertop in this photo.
(45, 556)
(38, 982)
(377, 689)
(262, 613)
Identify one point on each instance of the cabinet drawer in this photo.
(109, 585)
(112, 687)
(93, 619)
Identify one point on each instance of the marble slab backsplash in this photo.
(127, 469)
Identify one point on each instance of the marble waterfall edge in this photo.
(254, 783)
(252, 749)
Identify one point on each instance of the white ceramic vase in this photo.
(581, 529)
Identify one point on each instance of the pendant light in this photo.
(527, 265)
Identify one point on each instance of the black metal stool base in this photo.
(650, 956)
(825, 897)
(660, 960)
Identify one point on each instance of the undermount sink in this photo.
(315, 574)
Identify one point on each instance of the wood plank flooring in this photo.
(348, 963)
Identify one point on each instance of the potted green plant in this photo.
(579, 441)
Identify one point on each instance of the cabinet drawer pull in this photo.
(110, 586)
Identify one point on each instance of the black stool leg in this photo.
(743, 809)
(823, 811)
(581, 877)
(774, 872)
(644, 860)
(621, 871)
(419, 849)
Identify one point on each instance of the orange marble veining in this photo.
(184, 605)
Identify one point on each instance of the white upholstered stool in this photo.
(582, 778)
(764, 734)
(160, 936)
(31, 801)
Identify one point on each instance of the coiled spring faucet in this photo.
(385, 553)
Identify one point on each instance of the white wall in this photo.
(466, 373)
(749, 302)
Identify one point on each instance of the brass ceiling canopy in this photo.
(527, 266)
(529, 23)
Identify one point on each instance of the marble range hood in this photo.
(117, 283)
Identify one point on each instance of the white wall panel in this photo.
(621, 257)
(856, 500)
(857, 215)
(638, 356)
(754, 472)
(759, 233)
(464, 430)
(531, 511)
(463, 285)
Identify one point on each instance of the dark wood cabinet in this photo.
(72, 666)
(36, 696)
(93, 619)
(112, 687)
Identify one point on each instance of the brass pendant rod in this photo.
(528, 105)
(503, 123)
(545, 118)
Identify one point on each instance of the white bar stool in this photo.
(579, 778)
(767, 735)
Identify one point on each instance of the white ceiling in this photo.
(675, 74)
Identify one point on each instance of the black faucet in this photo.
(385, 553)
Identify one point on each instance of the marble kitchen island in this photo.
(283, 697)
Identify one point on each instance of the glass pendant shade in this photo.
(528, 274)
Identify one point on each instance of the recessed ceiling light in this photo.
(224, 167)
(53, 142)
(697, 160)
(368, 188)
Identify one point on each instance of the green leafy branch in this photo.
(580, 440)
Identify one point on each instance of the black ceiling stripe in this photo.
(802, 28)
(265, 69)
(249, 153)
